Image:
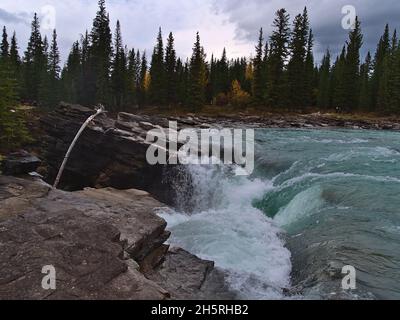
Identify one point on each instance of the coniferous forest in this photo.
(282, 76)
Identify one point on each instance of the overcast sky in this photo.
(233, 24)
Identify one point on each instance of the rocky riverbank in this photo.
(103, 243)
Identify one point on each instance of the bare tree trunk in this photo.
(99, 110)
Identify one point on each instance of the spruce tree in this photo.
(388, 89)
(338, 87)
(85, 77)
(394, 83)
(182, 71)
(170, 69)
(212, 81)
(45, 80)
(119, 71)
(296, 66)
(309, 74)
(34, 63)
(133, 76)
(259, 68)
(71, 75)
(365, 102)
(53, 72)
(222, 74)
(4, 48)
(352, 68)
(279, 41)
(15, 59)
(157, 90)
(197, 76)
(100, 57)
(381, 54)
(142, 90)
(323, 100)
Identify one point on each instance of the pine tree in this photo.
(170, 68)
(323, 100)
(54, 69)
(142, 90)
(222, 74)
(4, 48)
(309, 74)
(15, 63)
(15, 59)
(71, 75)
(352, 68)
(157, 90)
(296, 66)
(44, 94)
(34, 63)
(394, 83)
(338, 88)
(259, 65)
(133, 76)
(379, 63)
(197, 76)
(85, 75)
(365, 102)
(389, 85)
(100, 57)
(182, 70)
(119, 71)
(279, 40)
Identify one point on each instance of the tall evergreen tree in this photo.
(182, 70)
(197, 76)
(14, 54)
(34, 63)
(142, 90)
(296, 66)
(381, 54)
(119, 70)
(259, 65)
(170, 69)
(352, 67)
(71, 75)
(309, 74)
(100, 57)
(365, 102)
(4, 48)
(279, 41)
(222, 74)
(157, 90)
(323, 100)
(53, 94)
(133, 76)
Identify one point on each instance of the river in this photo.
(317, 201)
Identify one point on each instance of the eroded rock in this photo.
(102, 243)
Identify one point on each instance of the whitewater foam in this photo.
(227, 229)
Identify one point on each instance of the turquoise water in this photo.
(318, 200)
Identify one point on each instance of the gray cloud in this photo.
(326, 17)
(233, 24)
(9, 17)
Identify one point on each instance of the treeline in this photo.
(282, 75)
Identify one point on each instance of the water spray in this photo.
(100, 109)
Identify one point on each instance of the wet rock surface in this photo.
(18, 163)
(103, 243)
